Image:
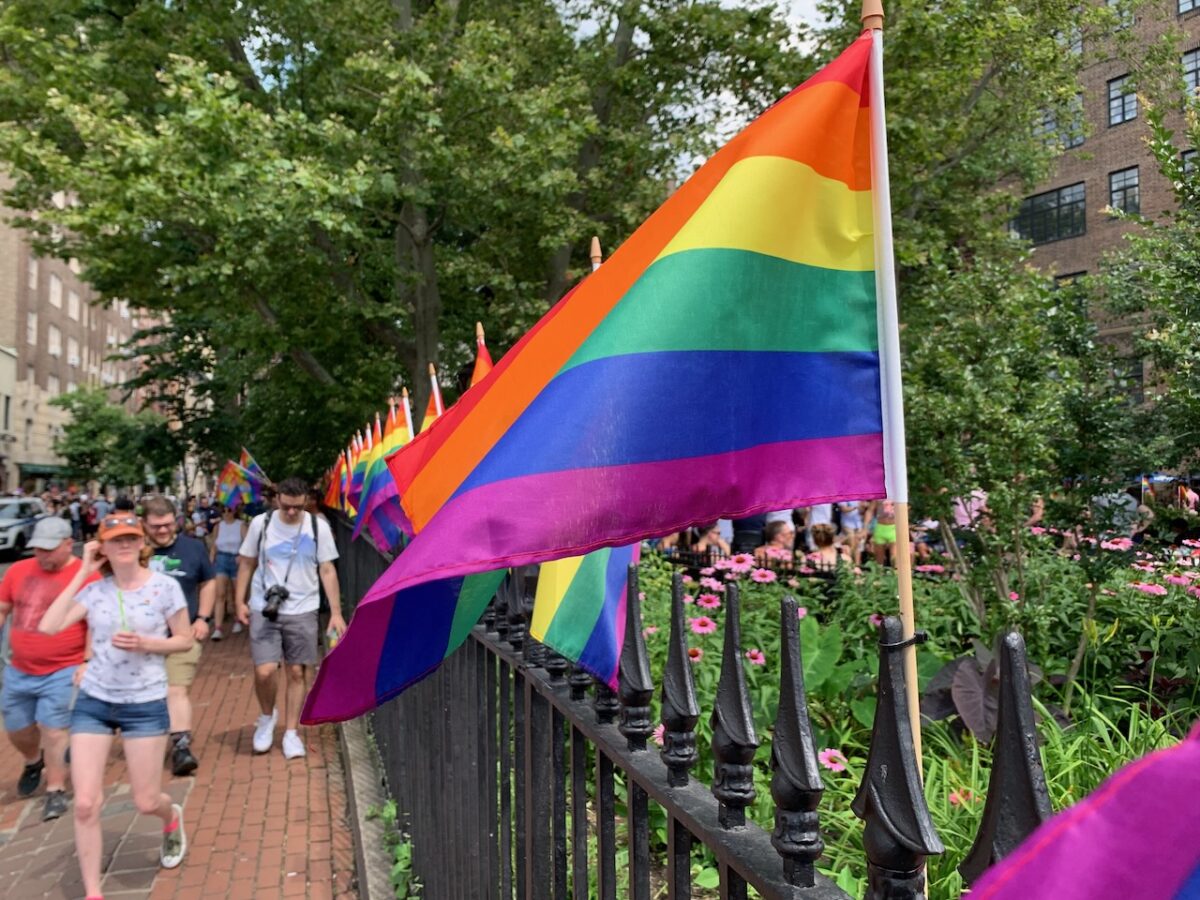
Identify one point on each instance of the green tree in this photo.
(1153, 279)
(325, 196)
(107, 443)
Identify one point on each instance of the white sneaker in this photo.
(237, 628)
(264, 732)
(293, 747)
(217, 635)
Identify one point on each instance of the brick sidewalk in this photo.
(257, 826)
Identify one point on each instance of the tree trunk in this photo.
(589, 153)
(416, 278)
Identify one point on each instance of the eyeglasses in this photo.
(290, 507)
(163, 526)
(114, 521)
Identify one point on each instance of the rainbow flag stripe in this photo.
(579, 609)
(724, 361)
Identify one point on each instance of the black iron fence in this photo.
(512, 782)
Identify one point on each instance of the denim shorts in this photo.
(227, 564)
(37, 699)
(93, 716)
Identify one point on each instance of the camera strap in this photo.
(291, 559)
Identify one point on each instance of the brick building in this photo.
(1106, 162)
(56, 340)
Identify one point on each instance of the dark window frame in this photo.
(1054, 215)
(1123, 193)
(1125, 103)
(1191, 77)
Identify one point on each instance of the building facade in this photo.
(1106, 164)
(57, 340)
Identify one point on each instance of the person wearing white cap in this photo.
(44, 669)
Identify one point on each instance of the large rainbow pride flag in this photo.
(723, 362)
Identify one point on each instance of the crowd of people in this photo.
(108, 642)
(827, 535)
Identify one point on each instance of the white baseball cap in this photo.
(49, 532)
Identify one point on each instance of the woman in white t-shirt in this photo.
(136, 617)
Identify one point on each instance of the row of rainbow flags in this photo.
(360, 482)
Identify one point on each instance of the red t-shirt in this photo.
(30, 590)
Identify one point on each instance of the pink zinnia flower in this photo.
(1195, 592)
(793, 582)
(722, 564)
(695, 654)
(801, 612)
(1178, 579)
(1143, 567)
(961, 798)
(778, 553)
(763, 576)
(875, 619)
(731, 576)
(686, 579)
(712, 584)
(688, 598)
(657, 737)
(702, 625)
(1122, 543)
(649, 630)
(1188, 542)
(1036, 529)
(833, 760)
(805, 570)
(756, 657)
(739, 569)
(1146, 588)
(706, 572)
(742, 559)
(932, 568)
(641, 595)
(1014, 596)
(708, 601)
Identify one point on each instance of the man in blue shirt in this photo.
(186, 560)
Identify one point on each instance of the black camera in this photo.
(273, 599)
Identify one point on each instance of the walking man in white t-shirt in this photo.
(284, 554)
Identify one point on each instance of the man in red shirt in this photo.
(44, 669)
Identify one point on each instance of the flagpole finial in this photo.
(872, 14)
(404, 393)
(596, 256)
(479, 331)
(432, 371)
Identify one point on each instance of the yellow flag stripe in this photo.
(783, 208)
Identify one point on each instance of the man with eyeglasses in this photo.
(291, 549)
(186, 560)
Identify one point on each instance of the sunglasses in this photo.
(115, 521)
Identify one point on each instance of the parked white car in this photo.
(17, 518)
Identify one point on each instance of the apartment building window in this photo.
(1123, 190)
(1191, 70)
(1052, 216)
(1069, 136)
(72, 352)
(1129, 375)
(53, 385)
(28, 433)
(1071, 40)
(1122, 101)
(7, 412)
(31, 272)
(53, 341)
(73, 305)
(1189, 161)
(1123, 10)
(31, 329)
(55, 291)
(1186, 6)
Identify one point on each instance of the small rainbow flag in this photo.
(579, 608)
(759, 270)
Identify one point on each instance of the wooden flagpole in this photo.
(894, 440)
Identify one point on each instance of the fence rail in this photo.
(512, 783)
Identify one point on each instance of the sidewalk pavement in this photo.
(258, 826)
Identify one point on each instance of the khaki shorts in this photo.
(181, 667)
